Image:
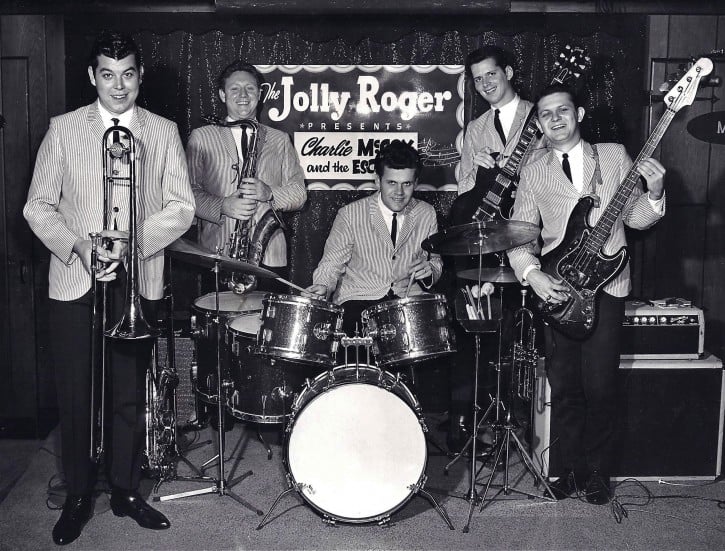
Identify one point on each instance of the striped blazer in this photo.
(546, 197)
(65, 200)
(360, 254)
(481, 133)
(212, 153)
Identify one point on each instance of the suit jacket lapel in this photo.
(589, 165)
(408, 226)
(558, 178)
(376, 219)
(225, 134)
(519, 118)
(95, 122)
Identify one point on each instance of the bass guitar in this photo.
(493, 195)
(579, 261)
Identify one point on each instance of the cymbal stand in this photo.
(221, 486)
(478, 326)
(505, 437)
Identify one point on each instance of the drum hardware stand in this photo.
(221, 485)
(505, 433)
(477, 327)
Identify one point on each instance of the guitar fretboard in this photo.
(601, 231)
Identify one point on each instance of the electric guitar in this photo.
(493, 195)
(579, 261)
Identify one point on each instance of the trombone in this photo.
(119, 152)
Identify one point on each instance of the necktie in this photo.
(115, 121)
(394, 228)
(245, 143)
(497, 125)
(566, 167)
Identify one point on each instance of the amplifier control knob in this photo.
(636, 319)
(663, 320)
(652, 320)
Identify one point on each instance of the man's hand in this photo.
(654, 174)
(316, 290)
(83, 248)
(237, 207)
(549, 289)
(420, 269)
(254, 188)
(485, 158)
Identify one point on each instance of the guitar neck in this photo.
(604, 225)
(513, 164)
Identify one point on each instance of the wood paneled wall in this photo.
(685, 254)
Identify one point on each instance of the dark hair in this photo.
(557, 88)
(114, 45)
(500, 57)
(233, 67)
(397, 155)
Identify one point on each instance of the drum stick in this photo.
(283, 280)
(410, 284)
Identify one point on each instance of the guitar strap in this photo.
(596, 178)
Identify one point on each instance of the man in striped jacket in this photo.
(582, 373)
(374, 247)
(65, 204)
(215, 153)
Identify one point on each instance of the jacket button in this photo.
(394, 257)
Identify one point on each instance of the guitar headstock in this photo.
(570, 65)
(683, 93)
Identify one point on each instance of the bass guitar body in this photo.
(584, 271)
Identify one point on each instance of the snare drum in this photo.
(204, 331)
(407, 330)
(264, 388)
(356, 448)
(299, 329)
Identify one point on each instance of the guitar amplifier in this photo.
(652, 331)
(669, 422)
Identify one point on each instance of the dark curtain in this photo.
(184, 53)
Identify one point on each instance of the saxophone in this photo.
(240, 246)
(161, 450)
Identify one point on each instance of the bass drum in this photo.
(356, 448)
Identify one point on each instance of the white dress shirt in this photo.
(507, 114)
(388, 216)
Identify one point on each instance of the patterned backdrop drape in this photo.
(183, 53)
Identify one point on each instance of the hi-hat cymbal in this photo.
(190, 252)
(481, 237)
(502, 274)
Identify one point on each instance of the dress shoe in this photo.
(77, 510)
(565, 487)
(597, 490)
(126, 503)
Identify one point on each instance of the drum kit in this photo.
(255, 353)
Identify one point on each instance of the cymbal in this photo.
(190, 252)
(502, 274)
(481, 237)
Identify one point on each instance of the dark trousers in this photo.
(582, 375)
(70, 347)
